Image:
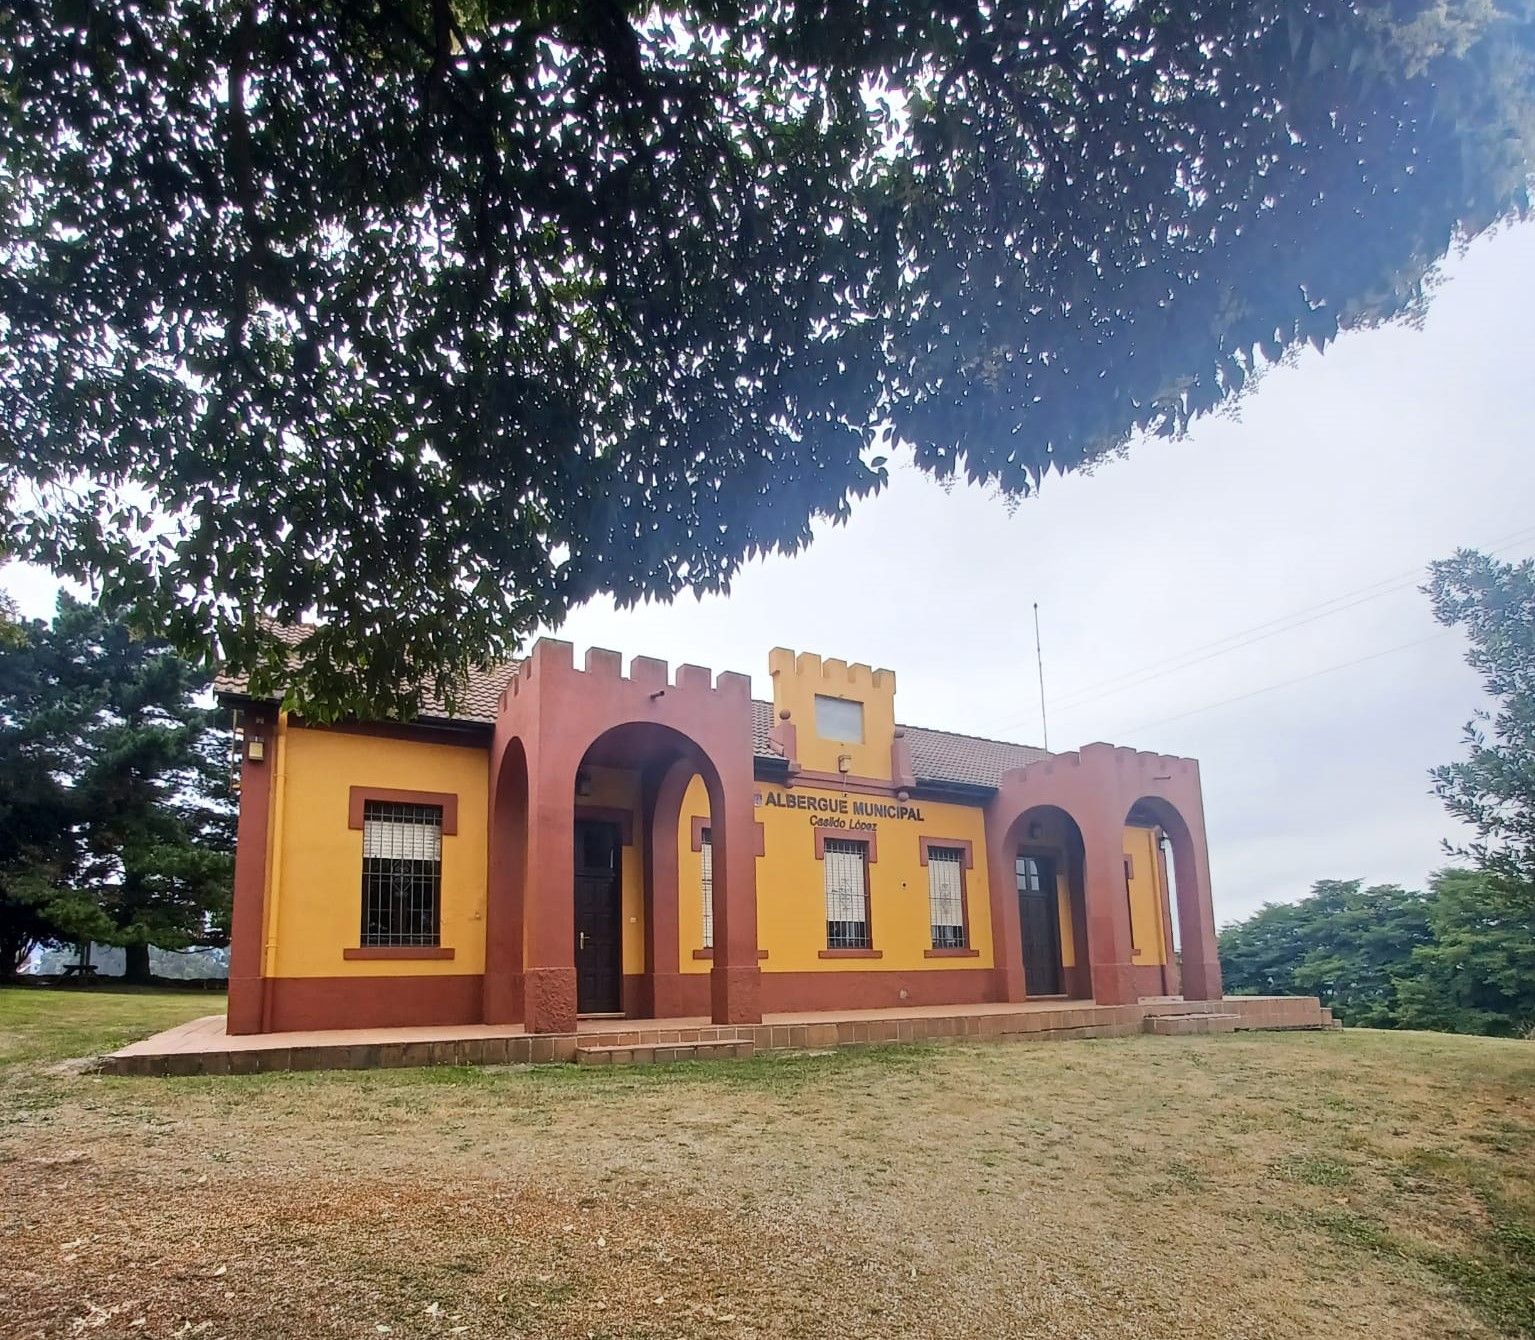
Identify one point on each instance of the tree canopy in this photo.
(1460, 957)
(1343, 943)
(427, 319)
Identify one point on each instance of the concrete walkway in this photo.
(202, 1046)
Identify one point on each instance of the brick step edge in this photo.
(665, 1053)
(1190, 1025)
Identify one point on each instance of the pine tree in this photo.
(133, 827)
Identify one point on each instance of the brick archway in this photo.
(1098, 786)
(1199, 966)
(1050, 833)
(559, 716)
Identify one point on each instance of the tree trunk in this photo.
(136, 963)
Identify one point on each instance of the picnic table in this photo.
(85, 972)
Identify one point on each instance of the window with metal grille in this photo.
(847, 894)
(706, 881)
(401, 873)
(946, 896)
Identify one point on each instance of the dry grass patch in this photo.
(1261, 1185)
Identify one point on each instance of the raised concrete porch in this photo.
(203, 1047)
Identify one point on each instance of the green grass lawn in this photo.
(52, 1023)
(1262, 1185)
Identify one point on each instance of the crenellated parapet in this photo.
(799, 680)
(833, 674)
(556, 708)
(1137, 767)
(553, 661)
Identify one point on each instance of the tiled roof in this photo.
(936, 755)
(481, 695)
(943, 756)
(762, 725)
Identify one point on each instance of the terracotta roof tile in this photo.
(944, 756)
(481, 695)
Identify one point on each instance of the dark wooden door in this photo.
(599, 919)
(1040, 925)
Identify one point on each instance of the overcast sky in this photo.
(1309, 516)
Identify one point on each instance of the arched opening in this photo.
(506, 887)
(1150, 866)
(1046, 848)
(628, 793)
(1172, 917)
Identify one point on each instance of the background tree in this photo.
(1493, 788)
(1346, 944)
(115, 783)
(1477, 974)
(430, 319)
(36, 813)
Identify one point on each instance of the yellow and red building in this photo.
(589, 840)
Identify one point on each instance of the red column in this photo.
(1201, 966)
(1006, 932)
(506, 874)
(735, 984)
(1109, 945)
(549, 916)
(248, 921)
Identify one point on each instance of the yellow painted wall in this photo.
(1147, 896)
(690, 902)
(796, 682)
(791, 888)
(1063, 915)
(315, 909)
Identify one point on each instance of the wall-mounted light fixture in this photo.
(1036, 831)
(583, 782)
(844, 763)
(255, 749)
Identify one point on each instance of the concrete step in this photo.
(664, 1053)
(1189, 1025)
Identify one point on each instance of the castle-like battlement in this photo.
(552, 658)
(1151, 766)
(830, 671)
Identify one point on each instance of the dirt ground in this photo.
(1263, 1185)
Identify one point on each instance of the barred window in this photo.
(946, 896)
(847, 894)
(401, 873)
(706, 881)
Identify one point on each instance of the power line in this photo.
(1299, 618)
(1259, 632)
(1234, 642)
(1284, 683)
